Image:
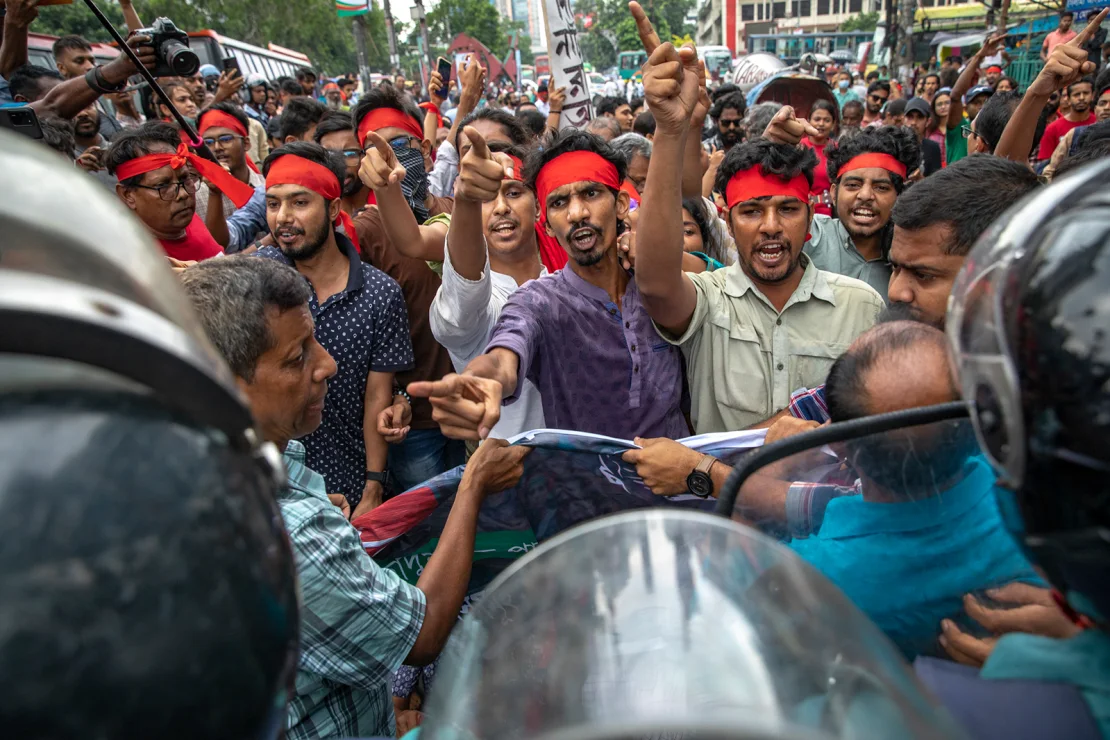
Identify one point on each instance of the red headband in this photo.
(518, 168)
(574, 167)
(752, 183)
(994, 68)
(380, 118)
(211, 118)
(225, 182)
(874, 159)
(432, 107)
(289, 169)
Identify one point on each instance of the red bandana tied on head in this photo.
(211, 118)
(239, 192)
(553, 256)
(752, 183)
(874, 159)
(380, 118)
(570, 168)
(289, 169)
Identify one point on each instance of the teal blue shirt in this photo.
(1083, 661)
(907, 565)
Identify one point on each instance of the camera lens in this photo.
(180, 58)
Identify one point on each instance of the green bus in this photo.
(630, 62)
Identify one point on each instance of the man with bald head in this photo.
(920, 526)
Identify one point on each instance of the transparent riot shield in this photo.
(669, 624)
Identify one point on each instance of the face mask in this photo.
(415, 184)
(842, 84)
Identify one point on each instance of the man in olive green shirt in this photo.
(868, 173)
(755, 331)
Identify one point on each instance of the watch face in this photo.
(699, 484)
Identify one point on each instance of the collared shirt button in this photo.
(778, 322)
(636, 369)
(627, 325)
(634, 348)
(779, 366)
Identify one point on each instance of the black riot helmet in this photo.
(1029, 320)
(147, 585)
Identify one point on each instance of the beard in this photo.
(906, 312)
(595, 253)
(777, 273)
(729, 137)
(351, 186)
(312, 245)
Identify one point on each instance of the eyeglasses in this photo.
(168, 191)
(967, 131)
(224, 139)
(401, 142)
(351, 155)
(729, 123)
(877, 98)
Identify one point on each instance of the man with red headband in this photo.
(491, 251)
(581, 335)
(756, 330)
(158, 180)
(396, 159)
(360, 319)
(868, 173)
(224, 128)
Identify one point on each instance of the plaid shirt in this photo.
(809, 404)
(358, 620)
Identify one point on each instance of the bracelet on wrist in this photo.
(96, 80)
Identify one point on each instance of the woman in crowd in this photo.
(823, 117)
(698, 235)
(938, 127)
(1006, 84)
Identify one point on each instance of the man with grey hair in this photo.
(607, 128)
(758, 117)
(359, 622)
(636, 150)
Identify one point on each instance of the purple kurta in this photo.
(599, 367)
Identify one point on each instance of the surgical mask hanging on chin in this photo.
(415, 184)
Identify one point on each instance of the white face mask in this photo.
(843, 84)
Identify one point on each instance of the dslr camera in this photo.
(171, 47)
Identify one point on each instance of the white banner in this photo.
(566, 63)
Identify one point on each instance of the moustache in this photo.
(584, 225)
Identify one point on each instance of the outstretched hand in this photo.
(786, 128)
(464, 406)
(380, 168)
(671, 84)
(1068, 62)
(480, 171)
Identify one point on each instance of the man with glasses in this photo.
(878, 92)
(158, 180)
(224, 129)
(984, 133)
(336, 134)
(728, 115)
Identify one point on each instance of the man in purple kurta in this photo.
(581, 335)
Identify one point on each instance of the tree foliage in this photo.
(861, 22)
(308, 26)
(478, 19)
(601, 22)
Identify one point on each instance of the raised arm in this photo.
(671, 89)
(692, 172)
(480, 176)
(470, 92)
(555, 100)
(436, 94)
(1067, 63)
(968, 78)
(73, 96)
(18, 15)
(130, 16)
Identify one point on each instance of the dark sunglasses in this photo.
(733, 123)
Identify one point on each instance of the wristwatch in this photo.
(698, 482)
(382, 477)
(95, 79)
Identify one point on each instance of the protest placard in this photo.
(567, 68)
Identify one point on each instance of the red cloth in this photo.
(197, 244)
(752, 183)
(874, 159)
(211, 118)
(380, 118)
(430, 106)
(821, 182)
(570, 168)
(552, 254)
(289, 169)
(239, 192)
(1057, 130)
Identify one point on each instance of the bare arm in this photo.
(215, 219)
(71, 97)
(556, 99)
(498, 364)
(470, 92)
(692, 172)
(967, 80)
(378, 397)
(130, 16)
(13, 49)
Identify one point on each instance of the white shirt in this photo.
(462, 317)
(543, 107)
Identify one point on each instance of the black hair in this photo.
(533, 120)
(1097, 152)
(57, 133)
(872, 75)
(878, 85)
(735, 100)
(933, 74)
(704, 219)
(71, 41)
(137, 142)
(968, 195)
(829, 107)
(1102, 81)
(637, 102)
(993, 117)
(644, 125)
(25, 81)
(304, 72)
(344, 81)
(519, 152)
(949, 76)
(313, 153)
(773, 159)
(1011, 80)
(514, 129)
(336, 120)
(726, 89)
(299, 115)
(1067, 14)
(1083, 81)
(387, 96)
(291, 87)
(895, 107)
(232, 110)
(897, 141)
(608, 105)
(572, 140)
(168, 88)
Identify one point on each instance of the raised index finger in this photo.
(1089, 31)
(477, 143)
(648, 37)
(379, 143)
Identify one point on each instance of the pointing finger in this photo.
(434, 388)
(372, 139)
(477, 143)
(1089, 31)
(648, 37)
(507, 163)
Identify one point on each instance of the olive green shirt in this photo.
(832, 250)
(744, 358)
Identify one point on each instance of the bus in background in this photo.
(40, 51)
(272, 62)
(542, 63)
(629, 63)
(718, 61)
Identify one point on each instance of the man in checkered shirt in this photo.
(359, 622)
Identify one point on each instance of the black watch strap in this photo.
(382, 477)
(95, 78)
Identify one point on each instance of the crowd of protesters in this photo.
(402, 276)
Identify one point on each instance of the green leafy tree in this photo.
(861, 22)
